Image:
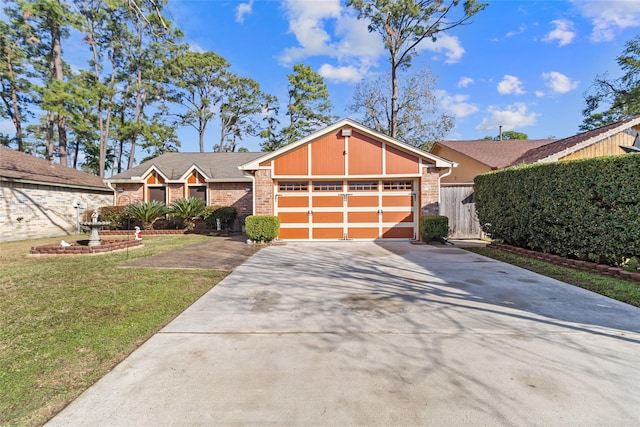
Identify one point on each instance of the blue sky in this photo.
(521, 64)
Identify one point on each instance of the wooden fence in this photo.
(456, 203)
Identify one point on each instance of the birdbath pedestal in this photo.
(95, 225)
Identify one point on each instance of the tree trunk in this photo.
(394, 99)
(58, 74)
(14, 107)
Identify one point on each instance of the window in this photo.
(293, 186)
(363, 186)
(398, 185)
(327, 186)
(198, 192)
(157, 193)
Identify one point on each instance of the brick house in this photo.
(345, 181)
(42, 199)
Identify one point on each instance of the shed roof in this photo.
(173, 166)
(566, 146)
(495, 154)
(19, 166)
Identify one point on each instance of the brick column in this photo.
(430, 191)
(264, 192)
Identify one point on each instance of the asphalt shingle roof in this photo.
(495, 154)
(22, 166)
(175, 165)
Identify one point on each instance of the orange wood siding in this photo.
(397, 217)
(397, 233)
(327, 155)
(195, 178)
(154, 178)
(397, 200)
(362, 233)
(327, 202)
(294, 217)
(320, 217)
(608, 147)
(293, 201)
(365, 155)
(294, 233)
(293, 163)
(362, 201)
(266, 164)
(327, 233)
(399, 162)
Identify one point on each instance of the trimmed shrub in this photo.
(116, 215)
(226, 214)
(262, 228)
(434, 228)
(585, 209)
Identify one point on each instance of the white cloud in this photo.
(510, 85)
(457, 104)
(448, 45)
(348, 74)
(195, 47)
(540, 94)
(242, 10)
(609, 17)
(514, 116)
(558, 82)
(564, 32)
(7, 127)
(465, 82)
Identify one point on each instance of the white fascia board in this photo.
(188, 172)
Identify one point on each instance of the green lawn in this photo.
(621, 290)
(66, 321)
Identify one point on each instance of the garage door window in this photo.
(363, 186)
(327, 186)
(398, 185)
(293, 186)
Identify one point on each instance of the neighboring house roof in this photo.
(495, 154)
(23, 167)
(563, 147)
(216, 167)
(347, 123)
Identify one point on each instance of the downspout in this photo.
(252, 177)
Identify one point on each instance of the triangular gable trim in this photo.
(439, 161)
(153, 168)
(593, 140)
(193, 167)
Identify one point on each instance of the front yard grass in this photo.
(67, 321)
(621, 290)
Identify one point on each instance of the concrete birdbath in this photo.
(95, 225)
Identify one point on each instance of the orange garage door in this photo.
(340, 210)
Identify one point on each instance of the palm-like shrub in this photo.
(147, 212)
(188, 209)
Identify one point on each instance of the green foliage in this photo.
(116, 215)
(611, 100)
(587, 209)
(262, 228)
(507, 135)
(188, 210)
(146, 212)
(226, 214)
(434, 228)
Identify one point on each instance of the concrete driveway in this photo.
(379, 334)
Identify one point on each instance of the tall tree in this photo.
(200, 79)
(241, 102)
(419, 122)
(403, 24)
(611, 100)
(309, 107)
(270, 110)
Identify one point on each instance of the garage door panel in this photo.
(397, 200)
(327, 202)
(397, 217)
(293, 201)
(355, 217)
(362, 201)
(363, 233)
(294, 217)
(328, 233)
(294, 233)
(397, 233)
(327, 217)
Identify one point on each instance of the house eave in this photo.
(56, 184)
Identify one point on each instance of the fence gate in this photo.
(457, 203)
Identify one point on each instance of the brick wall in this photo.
(429, 191)
(29, 211)
(176, 192)
(264, 192)
(232, 194)
(131, 193)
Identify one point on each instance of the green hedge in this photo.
(434, 228)
(586, 209)
(116, 215)
(226, 214)
(262, 228)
